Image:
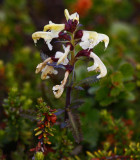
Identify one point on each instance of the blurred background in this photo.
(110, 114)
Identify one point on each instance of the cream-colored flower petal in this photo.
(85, 35)
(54, 27)
(42, 65)
(85, 44)
(39, 68)
(46, 70)
(93, 38)
(74, 16)
(59, 54)
(98, 66)
(63, 56)
(47, 36)
(58, 89)
(104, 38)
(48, 42)
(66, 13)
(41, 34)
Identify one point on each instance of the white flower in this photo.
(98, 66)
(58, 89)
(54, 30)
(90, 39)
(74, 16)
(45, 69)
(63, 56)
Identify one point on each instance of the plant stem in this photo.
(68, 101)
(73, 52)
(69, 88)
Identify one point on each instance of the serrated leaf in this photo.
(73, 123)
(88, 80)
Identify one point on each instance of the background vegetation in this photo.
(109, 113)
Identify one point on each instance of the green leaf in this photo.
(130, 86)
(102, 93)
(107, 101)
(115, 91)
(127, 71)
(130, 96)
(117, 79)
(73, 123)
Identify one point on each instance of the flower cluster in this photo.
(70, 36)
(44, 129)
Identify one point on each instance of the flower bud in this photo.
(70, 26)
(83, 52)
(65, 36)
(71, 46)
(78, 34)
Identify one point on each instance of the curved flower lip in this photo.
(58, 89)
(98, 66)
(63, 56)
(74, 16)
(45, 69)
(47, 36)
(54, 27)
(42, 65)
(90, 39)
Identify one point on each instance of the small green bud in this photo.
(39, 156)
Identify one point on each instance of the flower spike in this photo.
(70, 36)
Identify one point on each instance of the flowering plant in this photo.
(70, 36)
